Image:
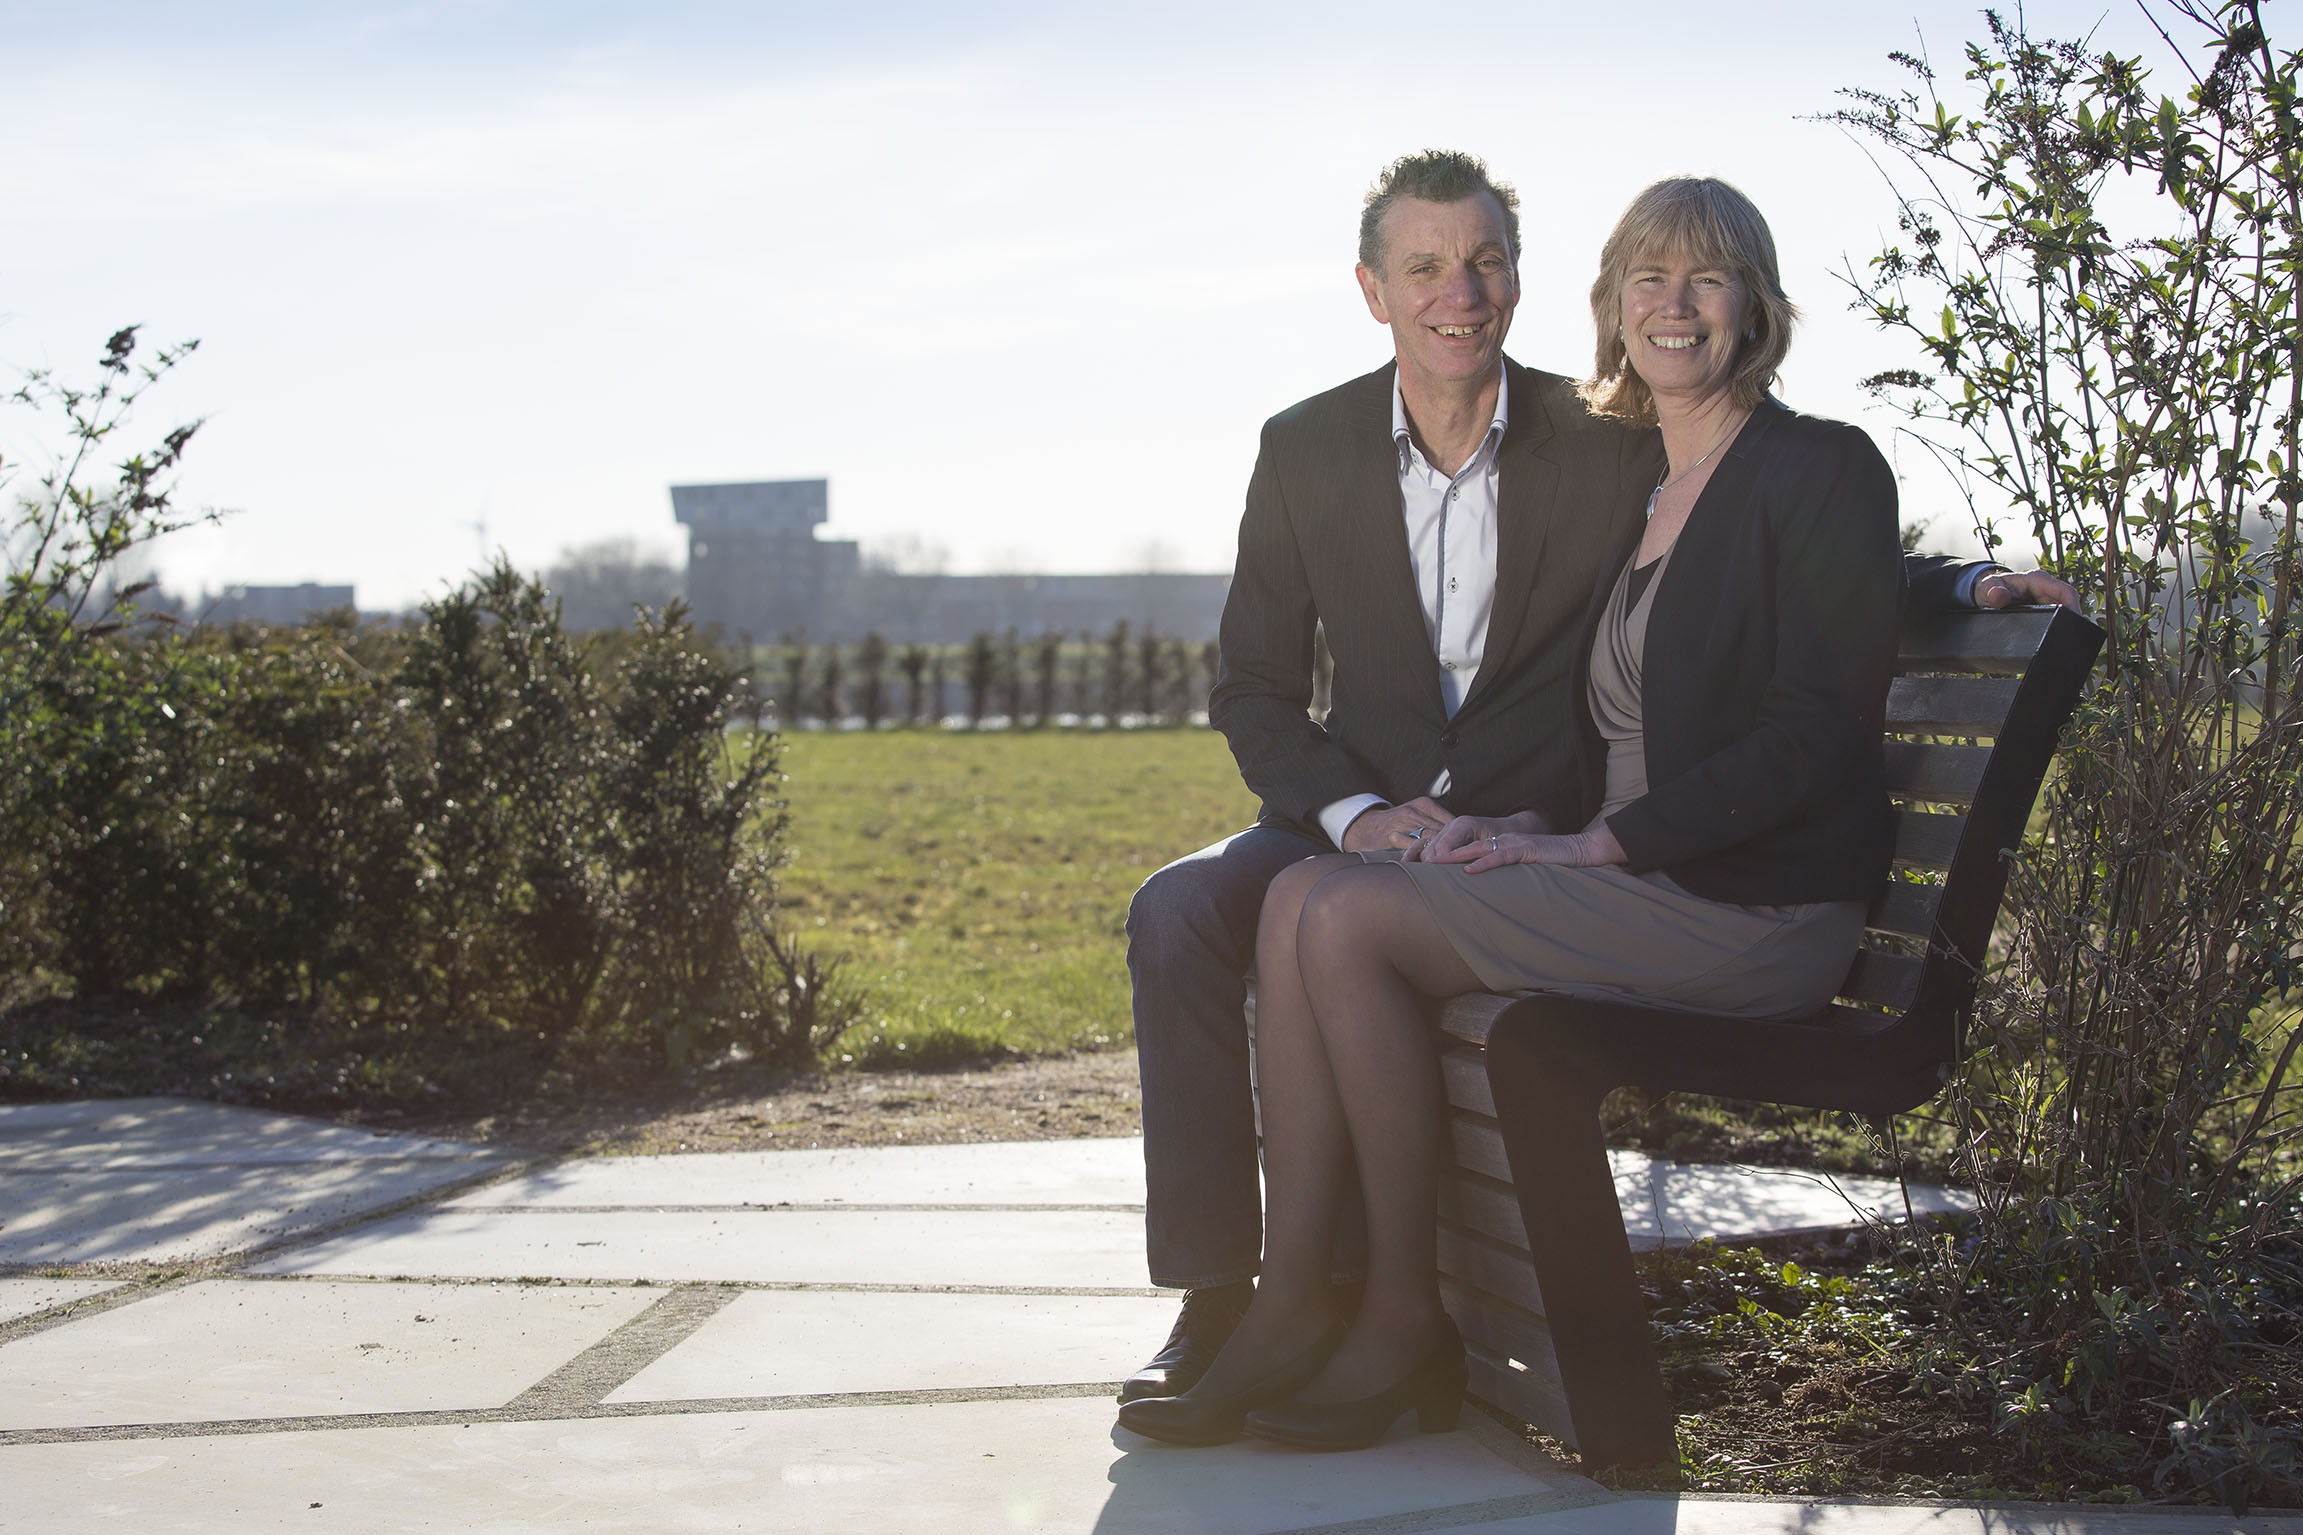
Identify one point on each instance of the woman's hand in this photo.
(1590, 848)
(1468, 830)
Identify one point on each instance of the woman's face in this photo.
(1682, 325)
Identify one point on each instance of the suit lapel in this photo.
(1526, 496)
(1371, 535)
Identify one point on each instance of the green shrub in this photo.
(477, 852)
(2109, 325)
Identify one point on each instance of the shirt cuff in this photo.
(1963, 590)
(1337, 818)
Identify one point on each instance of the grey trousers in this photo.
(1191, 940)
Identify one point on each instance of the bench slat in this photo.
(1528, 1398)
(1463, 1071)
(1484, 1265)
(1502, 1329)
(1902, 908)
(2000, 642)
(1943, 774)
(1469, 1017)
(1950, 706)
(1926, 838)
(1481, 1207)
(1883, 980)
(1478, 1146)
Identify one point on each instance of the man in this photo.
(1456, 667)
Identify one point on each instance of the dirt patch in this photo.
(1064, 1097)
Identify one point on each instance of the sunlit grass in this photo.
(978, 883)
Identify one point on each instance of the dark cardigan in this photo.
(1769, 649)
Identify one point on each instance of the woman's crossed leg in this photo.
(1348, 1074)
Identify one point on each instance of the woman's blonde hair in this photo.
(1710, 223)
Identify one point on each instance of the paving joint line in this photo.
(789, 1208)
(547, 1413)
(829, 1287)
(84, 1169)
(1458, 1516)
(588, 1379)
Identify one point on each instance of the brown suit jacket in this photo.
(1322, 543)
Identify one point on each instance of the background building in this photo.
(756, 567)
(280, 606)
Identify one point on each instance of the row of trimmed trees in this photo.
(1123, 677)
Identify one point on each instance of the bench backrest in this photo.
(2009, 679)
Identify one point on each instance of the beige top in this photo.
(1618, 654)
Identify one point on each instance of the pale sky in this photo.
(1023, 280)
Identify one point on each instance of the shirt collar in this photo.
(1404, 439)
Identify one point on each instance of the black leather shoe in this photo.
(1199, 1333)
(1434, 1388)
(1201, 1417)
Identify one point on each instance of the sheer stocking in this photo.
(1349, 1073)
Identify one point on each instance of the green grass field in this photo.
(978, 883)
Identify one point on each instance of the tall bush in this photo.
(2104, 285)
(60, 540)
(482, 847)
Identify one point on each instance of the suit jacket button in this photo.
(1447, 738)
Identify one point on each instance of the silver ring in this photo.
(1496, 844)
(1411, 836)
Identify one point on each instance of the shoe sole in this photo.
(1252, 1431)
(1130, 1392)
(1189, 1441)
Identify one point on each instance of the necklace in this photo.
(1667, 479)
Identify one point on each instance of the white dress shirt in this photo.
(1451, 547)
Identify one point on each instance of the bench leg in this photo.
(1591, 1297)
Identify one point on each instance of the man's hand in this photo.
(1465, 830)
(1381, 826)
(2009, 588)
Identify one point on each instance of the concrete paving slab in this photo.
(1095, 1172)
(184, 1132)
(1675, 1202)
(23, 1297)
(159, 1180)
(174, 1214)
(249, 1349)
(1754, 1516)
(802, 1343)
(956, 1469)
(1667, 1202)
(1023, 1249)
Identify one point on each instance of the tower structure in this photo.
(755, 565)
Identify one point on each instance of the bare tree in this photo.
(872, 672)
(1116, 672)
(828, 684)
(599, 584)
(1151, 673)
(792, 652)
(983, 672)
(913, 663)
(1011, 667)
(1047, 659)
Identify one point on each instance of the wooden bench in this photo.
(1535, 1265)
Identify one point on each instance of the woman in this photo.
(1737, 667)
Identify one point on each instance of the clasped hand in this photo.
(1483, 842)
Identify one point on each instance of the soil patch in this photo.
(1060, 1097)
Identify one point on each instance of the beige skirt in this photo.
(1611, 935)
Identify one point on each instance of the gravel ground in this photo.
(1043, 1098)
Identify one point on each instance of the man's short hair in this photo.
(1435, 176)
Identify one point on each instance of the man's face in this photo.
(1447, 288)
